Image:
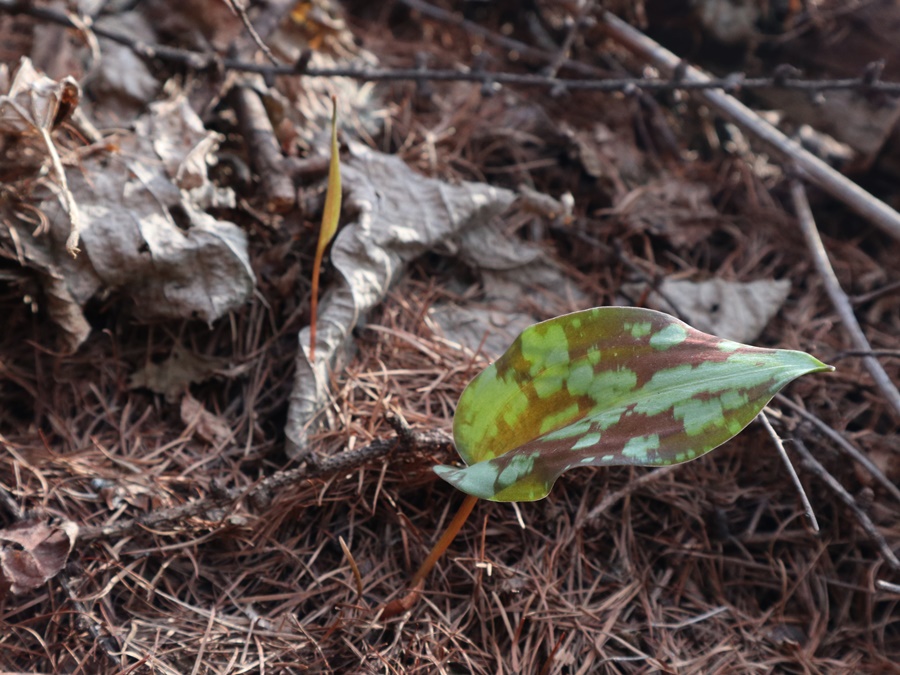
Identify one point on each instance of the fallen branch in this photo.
(260, 494)
(838, 298)
(813, 465)
(845, 445)
(202, 61)
(279, 195)
(834, 183)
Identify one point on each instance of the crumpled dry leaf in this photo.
(121, 80)
(33, 106)
(34, 101)
(671, 206)
(172, 376)
(401, 214)
(141, 233)
(521, 286)
(33, 552)
(730, 309)
(208, 426)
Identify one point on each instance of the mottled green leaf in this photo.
(608, 386)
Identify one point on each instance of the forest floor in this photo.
(146, 385)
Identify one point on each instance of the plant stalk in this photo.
(446, 539)
(404, 604)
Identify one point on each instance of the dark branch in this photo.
(260, 494)
(206, 60)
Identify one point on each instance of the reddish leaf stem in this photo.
(446, 539)
(314, 306)
(404, 604)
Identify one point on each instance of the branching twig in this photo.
(238, 8)
(260, 494)
(563, 54)
(807, 507)
(844, 444)
(838, 298)
(862, 517)
(208, 60)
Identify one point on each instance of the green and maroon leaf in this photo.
(607, 386)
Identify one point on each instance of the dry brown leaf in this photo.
(208, 426)
(143, 228)
(33, 552)
(173, 375)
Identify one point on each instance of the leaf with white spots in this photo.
(608, 386)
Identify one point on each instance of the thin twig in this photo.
(862, 517)
(844, 445)
(838, 298)
(832, 182)
(238, 8)
(807, 507)
(883, 585)
(563, 54)
(522, 49)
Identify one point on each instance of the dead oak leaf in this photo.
(33, 552)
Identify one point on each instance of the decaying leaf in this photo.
(520, 285)
(33, 552)
(33, 106)
(121, 80)
(669, 205)
(34, 101)
(172, 376)
(207, 425)
(401, 215)
(736, 310)
(143, 228)
(608, 386)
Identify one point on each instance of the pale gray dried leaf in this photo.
(121, 79)
(142, 234)
(400, 215)
(671, 206)
(521, 286)
(730, 309)
(33, 100)
(67, 282)
(478, 328)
